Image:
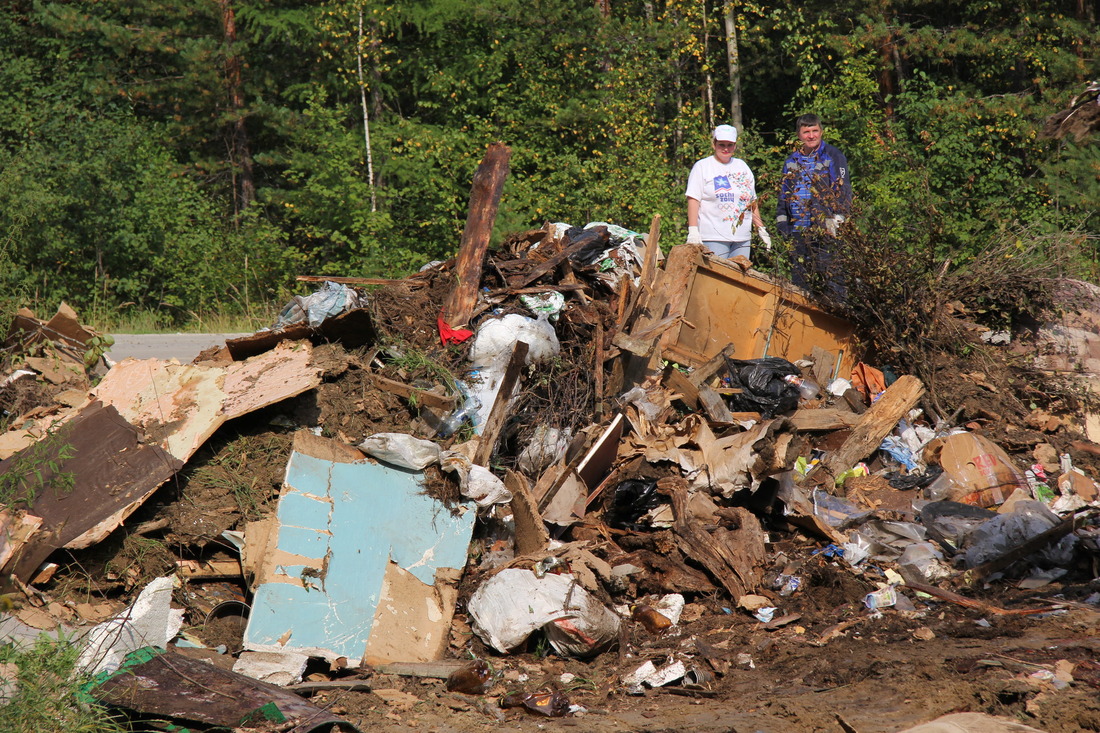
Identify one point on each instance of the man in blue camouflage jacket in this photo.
(815, 196)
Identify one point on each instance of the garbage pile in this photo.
(397, 480)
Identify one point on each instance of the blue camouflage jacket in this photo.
(814, 188)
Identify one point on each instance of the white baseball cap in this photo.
(726, 133)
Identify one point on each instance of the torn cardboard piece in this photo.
(180, 406)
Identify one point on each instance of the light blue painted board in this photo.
(359, 516)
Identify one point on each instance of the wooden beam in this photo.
(490, 434)
(421, 396)
(874, 425)
(598, 368)
(717, 363)
(652, 248)
(823, 420)
(714, 405)
(485, 193)
(679, 383)
(350, 280)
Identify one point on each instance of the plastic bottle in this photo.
(550, 704)
(807, 388)
(466, 412)
(473, 679)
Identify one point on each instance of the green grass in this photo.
(46, 698)
(131, 319)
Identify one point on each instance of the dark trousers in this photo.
(813, 265)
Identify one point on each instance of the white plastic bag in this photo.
(475, 482)
(547, 446)
(399, 449)
(497, 337)
(514, 603)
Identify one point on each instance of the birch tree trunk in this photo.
(366, 118)
(734, 60)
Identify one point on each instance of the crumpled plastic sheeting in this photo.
(511, 605)
(404, 451)
(1006, 531)
(548, 445)
(330, 300)
(475, 482)
(622, 259)
(497, 337)
(149, 621)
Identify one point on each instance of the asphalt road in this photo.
(181, 346)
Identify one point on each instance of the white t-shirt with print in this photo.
(724, 193)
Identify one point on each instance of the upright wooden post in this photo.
(484, 201)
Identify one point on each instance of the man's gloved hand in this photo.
(693, 236)
(764, 237)
(832, 224)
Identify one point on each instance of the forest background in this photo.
(183, 158)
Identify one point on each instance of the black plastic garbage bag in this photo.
(633, 498)
(598, 241)
(763, 385)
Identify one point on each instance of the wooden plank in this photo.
(679, 270)
(636, 346)
(485, 194)
(415, 394)
(714, 405)
(874, 425)
(823, 419)
(679, 383)
(652, 249)
(384, 590)
(174, 686)
(490, 434)
(598, 367)
(531, 534)
(715, 364)
(824, 365)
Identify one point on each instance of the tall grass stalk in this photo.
(43, 689)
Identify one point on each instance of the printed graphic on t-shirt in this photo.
(732, 193)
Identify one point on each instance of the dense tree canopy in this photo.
(191, 154)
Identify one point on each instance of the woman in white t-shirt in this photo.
(721, 193)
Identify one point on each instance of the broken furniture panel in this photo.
(363, 564)
(757, 315)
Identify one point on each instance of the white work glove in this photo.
(833, 224)
(764, 237)
(693, 236)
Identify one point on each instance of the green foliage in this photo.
(38, 467)
(129, 128)
(47, 691)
